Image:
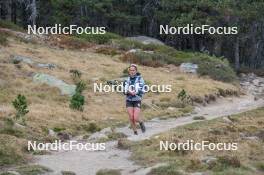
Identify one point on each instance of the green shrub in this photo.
(58, 129)
(20, 104)
(10, 25)
(184, 97)
(77, 102)
(99, 38)
(80, 86)
(91, 127)
(76, 73)
(217, 70)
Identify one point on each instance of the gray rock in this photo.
(47, 65)
(171, 108)
(227, 120)
(19, 126)
(52, 133)
(65, 88)
(209, 159)
(188, 68)
(253, 138)
(95, 79)
(197, 173)
(133, 50)
(17, 59)
(146, 40)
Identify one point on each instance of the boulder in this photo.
(146, 40)
(227, 120)
(188, 68)
(52, 133)
(65, 88)
(46, 65)
(209, 159)
(17, 59)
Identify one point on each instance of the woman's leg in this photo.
(130, 111)
(136, 115)
(138, 119)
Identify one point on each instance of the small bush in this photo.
(76, 74)
(91, 127)
(184, 97)
(108, 172)
(77, 102)
(58, 129)
(217, 70)
(20, 104)
(80, 87)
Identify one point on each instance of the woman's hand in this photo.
(132, 93)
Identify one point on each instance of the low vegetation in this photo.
(20, 104)
(108, 172)
(99, 39)
(247, 159)
(156, 56)
(10, 25)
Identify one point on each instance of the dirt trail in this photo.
(86, 162)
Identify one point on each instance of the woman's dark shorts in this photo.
(134, 104)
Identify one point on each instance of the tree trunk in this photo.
(237, 64)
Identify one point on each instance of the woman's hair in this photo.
(133, 65)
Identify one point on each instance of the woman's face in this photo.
(132, 71)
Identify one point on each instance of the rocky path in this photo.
(88, 162)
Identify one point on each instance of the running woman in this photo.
(134, 90)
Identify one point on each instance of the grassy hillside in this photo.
(48, 109)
